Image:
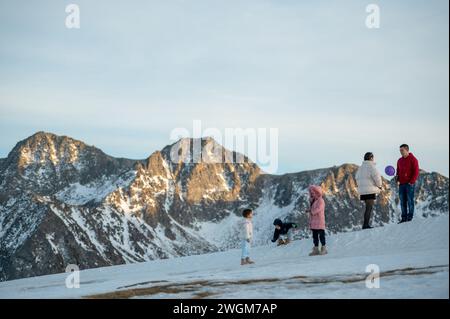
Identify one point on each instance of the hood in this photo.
(315, 191)
(277, 222)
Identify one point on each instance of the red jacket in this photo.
(407, 169)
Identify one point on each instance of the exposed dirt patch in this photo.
(204, 294)
(253, 281)
(143, 283)
(197, 287)
(148, 291)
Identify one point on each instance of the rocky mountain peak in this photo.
(47, 163)
(46, 148)
(204, 150)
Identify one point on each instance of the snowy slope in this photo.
(413, 259)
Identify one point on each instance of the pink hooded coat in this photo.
(317, 213)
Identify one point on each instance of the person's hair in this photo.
(368, 156)
(405, 146)
(246, 212)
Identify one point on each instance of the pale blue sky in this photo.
(137, 69)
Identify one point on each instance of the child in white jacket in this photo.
(246, 236)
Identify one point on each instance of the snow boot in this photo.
(243, 262)
(281, 242)
(287, 241)
(315, 251)
(367, 227)
(323, 250)
(249, 261)
(402, 221)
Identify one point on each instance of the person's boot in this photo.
(287, 241)
(323, 250)
(367, 227)
(281, 242)
(243, 262)
(315, 251)
(249, 261)
(402, 221)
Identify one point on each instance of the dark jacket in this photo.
(283, 230)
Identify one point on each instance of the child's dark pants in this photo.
(318, 234)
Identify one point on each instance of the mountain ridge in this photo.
(93, 210)
(141, 161)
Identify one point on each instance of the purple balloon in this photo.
(389, 170)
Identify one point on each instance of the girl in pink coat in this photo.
(317, 219)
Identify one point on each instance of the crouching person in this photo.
(283, 232)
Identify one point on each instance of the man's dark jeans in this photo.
(406, 194)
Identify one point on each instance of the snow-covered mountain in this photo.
(411, 258)
(64, 202)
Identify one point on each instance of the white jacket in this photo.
(368, 178)
(246, 229)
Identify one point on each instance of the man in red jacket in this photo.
(407, 174)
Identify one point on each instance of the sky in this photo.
(135, 70)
